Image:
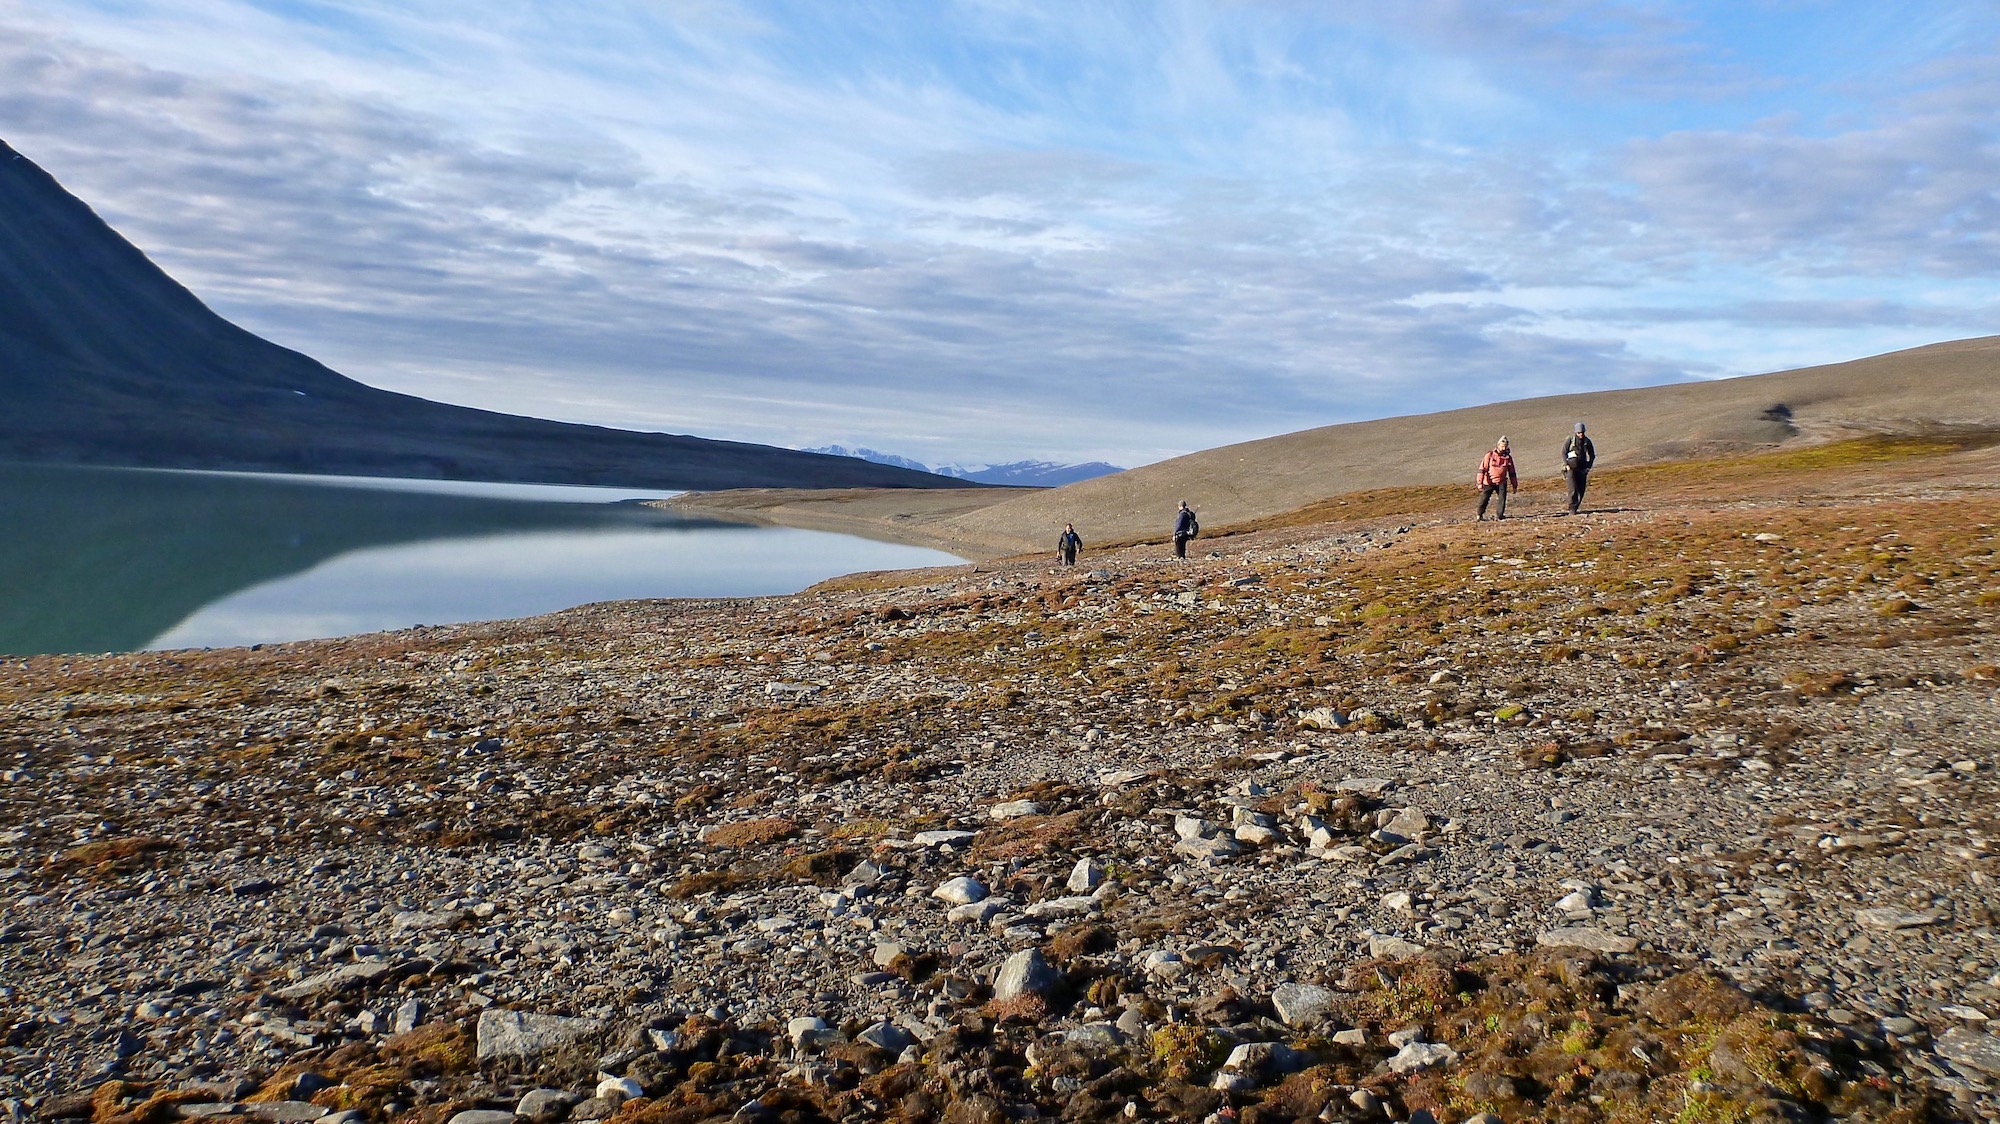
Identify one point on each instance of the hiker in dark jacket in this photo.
(1579, 457)
(1496, 476)
(1068, 544)
(1185, 528)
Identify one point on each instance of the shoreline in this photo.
(907, 516)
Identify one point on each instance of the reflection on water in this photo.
(118, 559)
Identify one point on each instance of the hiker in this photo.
(1185, 528)
(1069, 544)
(1579, 457)
(1496, 475)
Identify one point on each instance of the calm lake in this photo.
(101, 559)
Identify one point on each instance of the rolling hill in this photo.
(1940, 388)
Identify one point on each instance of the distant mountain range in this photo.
(104, 359)
(1020, 474)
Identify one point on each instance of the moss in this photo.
(1185, 1051)
(751, 833)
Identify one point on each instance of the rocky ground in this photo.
(1676, 814)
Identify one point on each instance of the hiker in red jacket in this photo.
(1496, 475)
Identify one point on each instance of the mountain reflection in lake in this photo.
(95, 559)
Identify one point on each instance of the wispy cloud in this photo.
(1008, 228)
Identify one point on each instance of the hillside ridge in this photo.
(105, 359)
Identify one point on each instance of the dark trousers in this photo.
(1486, 494)
(1069, 556)
(1579, 478)
(1180, 546)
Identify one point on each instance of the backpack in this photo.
(1194, 527)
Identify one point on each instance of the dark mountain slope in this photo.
(104, 359)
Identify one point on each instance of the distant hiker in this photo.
(1496, 475)
(1579, 457)
(1069, 544)
(1185, 528)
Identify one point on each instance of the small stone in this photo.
(1193, 827)
(1095, 1038)
(1074, 906)
(1577, 901)
(1970, 1050)
(1085, 876)
(1014, 809)
(409, 1016)
(1402, 1038)
(1592, 940)
(865, 873)
(979, 912)
(887, 953)
(1410, 823)
(1262, 1057)
(528, 1035)
(1888, 918)
(1353, 1036)
(420, 921)
(1302, 1005)
(1209, 849)
(961, 891)
(1232, 1082)
(1393, 948)
(619, 1088)
(945, 838)
(335, 981)
(483, 1116)
(545, 1105)
(1367, 1102)
(1371, 787)
(1025, 973)
(284, 1112)
(1963, 1013)
(886, 1036)
(1422, 1055)
(1399, 900)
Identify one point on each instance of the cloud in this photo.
(995, 230)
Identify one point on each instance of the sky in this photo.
(974, 231)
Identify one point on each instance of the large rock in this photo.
(1588, 939)
(1302, 1005)
(1025, 973)
(528, 1035)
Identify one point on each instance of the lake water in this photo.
(99, 560)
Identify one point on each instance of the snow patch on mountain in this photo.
(1026, 474)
